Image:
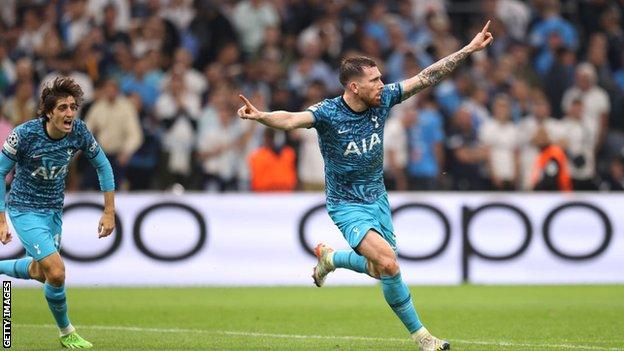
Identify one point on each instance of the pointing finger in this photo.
(485, 29)
(249, 105)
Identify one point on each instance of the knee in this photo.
(36, 272)
(388, 266)
(56, 276)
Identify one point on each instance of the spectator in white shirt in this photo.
(595, 101)
(500, 136)
(578, 141)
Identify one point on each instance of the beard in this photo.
(372, 101)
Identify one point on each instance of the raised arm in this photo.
(441, 69)
(277, 119)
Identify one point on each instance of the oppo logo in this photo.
(137, 234)
(470, 214)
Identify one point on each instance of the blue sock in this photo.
(16, 268)
(398, 297)
(57, 303)
(349, 259)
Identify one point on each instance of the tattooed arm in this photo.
(441, 69)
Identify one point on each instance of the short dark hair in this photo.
(353, 67)
(60, 87)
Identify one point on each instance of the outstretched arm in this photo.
(277, 119)
(107, 185)
(441, 69)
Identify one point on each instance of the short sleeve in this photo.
(391, 94)
(322, 114)
(14, 144)
(89, 145)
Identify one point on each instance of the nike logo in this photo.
(343, 131)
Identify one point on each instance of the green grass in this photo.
(471, 317)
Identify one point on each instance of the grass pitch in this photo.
(331, 318)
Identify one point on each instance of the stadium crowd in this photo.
(541, 109)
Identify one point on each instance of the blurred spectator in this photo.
(178, 12)
(595, 101)
(7, 67)
(22, 106)
(523, 68)
(551, 25)
(272, 165)
(615, 178)
(143, 81)
(178, 111)
(194, 81)
(310, 165)
(114, 14)
(220, 139)
(466, 155)
(395, 147)
(114, 122)
(425, 135)
(514, 14)
(550, 170)
(535, 131)
(521, 99)
(211, 31)
(32, 33)
(578, 141)
(477, 102)
(75, 23)
(141, 169)
(500, 136)
(559, 78)
(251, 17)
(113, 24)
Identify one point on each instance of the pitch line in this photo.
(325, 337)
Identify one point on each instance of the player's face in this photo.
(63, 115)
(370, 87)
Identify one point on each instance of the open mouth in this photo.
(67, 123)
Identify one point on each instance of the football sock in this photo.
(349, 259)
(398, 297)
(16, 268)
(57, 303)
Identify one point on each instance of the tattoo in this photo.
(436, 72)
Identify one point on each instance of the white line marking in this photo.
(325, 337)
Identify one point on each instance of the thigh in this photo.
(375, 248)
(33, 230)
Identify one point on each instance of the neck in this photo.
(53, 132)
(354, 102)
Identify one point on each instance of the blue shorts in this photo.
(39, 232)
(355, 220)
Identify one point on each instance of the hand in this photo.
(107, 224)
(5, 235)
(481, 40)
(248, 111)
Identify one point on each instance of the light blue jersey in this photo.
(352, 147)
(42, 163)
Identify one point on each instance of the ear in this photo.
(354, 87)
